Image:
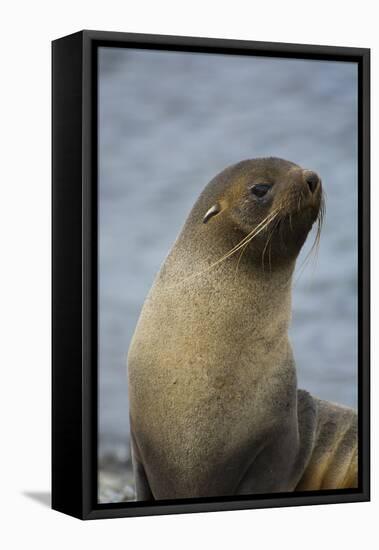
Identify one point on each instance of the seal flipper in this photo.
(333, 463)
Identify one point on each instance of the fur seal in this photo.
(214, 404)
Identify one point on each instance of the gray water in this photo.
(168, 122)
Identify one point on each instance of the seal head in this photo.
(262, 194)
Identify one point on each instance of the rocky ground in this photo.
(115, 481)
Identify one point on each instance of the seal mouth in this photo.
(293, 219)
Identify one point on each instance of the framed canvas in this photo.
(203, 358)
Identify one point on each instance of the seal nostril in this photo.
(312, 180)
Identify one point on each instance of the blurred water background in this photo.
(168, 122)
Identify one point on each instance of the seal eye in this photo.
(260, 189)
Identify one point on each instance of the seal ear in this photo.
(215, 209)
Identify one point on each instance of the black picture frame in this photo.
(74, 272)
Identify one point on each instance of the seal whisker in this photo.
(251, 238)
(239, 258)
(269, 257)
(251, 233)
(316, 243)
(277, 222)
(272, 216)
(245, 241)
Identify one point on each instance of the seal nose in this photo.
(312, 180)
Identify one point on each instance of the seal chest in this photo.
(212, 381)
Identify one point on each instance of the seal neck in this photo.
(197, 265)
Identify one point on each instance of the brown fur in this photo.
(213, 394)
(334, 460)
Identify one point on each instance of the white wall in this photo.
(27, 29)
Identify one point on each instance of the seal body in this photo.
(214, 404)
